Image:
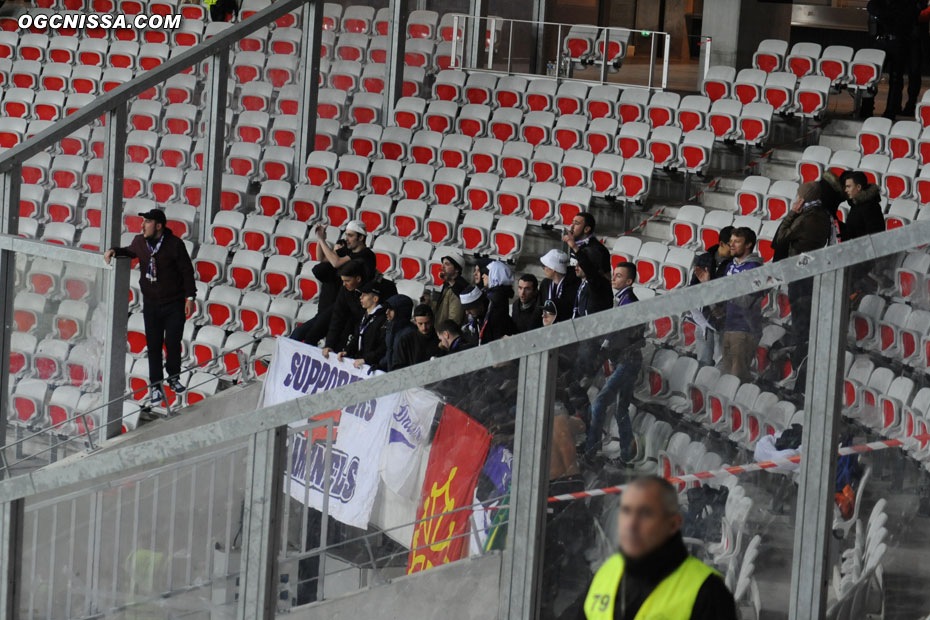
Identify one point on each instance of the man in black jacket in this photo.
(626, 359)
(450, 337)
(560, 285)
(901, 36)
(525, 311)
(168, 292)
(580, 234)
(367, 344)
(594, 292)
(419, 344)
(652, 557)
(347, 310)
(475, 306)
(865, 208)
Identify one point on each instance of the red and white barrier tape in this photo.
(739, 469)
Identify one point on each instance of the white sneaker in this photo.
(156, 396)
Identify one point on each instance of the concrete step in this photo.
(839, 143)
(777, 171)
(718, 200)
(841, 127)
(656, 229)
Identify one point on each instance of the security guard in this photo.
(653, 577)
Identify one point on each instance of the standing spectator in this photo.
(594, 292)
(743, 322)
(560, 285)
(626, 359)
(347, 310)
(525, 311)
(480, 272)
(474, 303)
(351, 247)
(580, 234)
(901, 36)
(865, 208)
(367, 345)
(806, 227)
(499, 286)
(448, 306)
(168, 293)
(653, 575)
(450, 337)
(709, 266)
(420, 344)
(398, 310)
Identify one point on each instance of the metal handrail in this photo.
(597, 325)
(142, 82)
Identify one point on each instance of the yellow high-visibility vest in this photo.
(672, 599)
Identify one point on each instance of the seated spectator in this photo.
(498, 284)
(594, 292)
(450, 337)
(865, 214)
(398, 310)
(624, 351)
(742, 324)
(420, 344)
(446, 304)
(709, 266)
(560, 285)
(474, 303)
(367, 344)
(550, 313)
(525, 312)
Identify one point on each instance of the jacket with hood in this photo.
(497, 322)
(413, 348)
(626, 346)
(348, 312)
(367, 342)
(808, 230)
(744, 314)
(396, 329)
(594, 292)
(865, 214)
(449, 307)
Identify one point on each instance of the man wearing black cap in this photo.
(447, 305)
(168, 293)
(367, 344)
(450, 337)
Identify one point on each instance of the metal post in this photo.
(558, 54)
(9, 224)
(606, 45)
(510, 49)
(310, 63)
(538, 59)
(652, 57)
(215, 147)
(113, 364)
(521, 570)
(397, 46)
(114, 159)
(478, 13)
(822, 410)
(492, 41)
(706, 48)
(261, 524)
(668, 45)
(11, 556)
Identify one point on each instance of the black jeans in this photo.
(904, 58)
(164, 326)
(314, 330)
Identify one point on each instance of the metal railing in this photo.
(265, 429)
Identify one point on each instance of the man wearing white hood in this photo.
(497, 322)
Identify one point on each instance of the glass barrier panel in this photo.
(436, 494)
(57, 346)
(882, 493)
(682, 397)
(153, 544)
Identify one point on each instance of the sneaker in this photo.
(156, 396)
(176, 386)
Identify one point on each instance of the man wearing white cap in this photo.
(560, 285)
(447, 306)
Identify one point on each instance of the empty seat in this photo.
(812, 95)
(602, 101)
(770, 55)
(723, 119)
(780, 87)
(751, 195)
(866, 69)
(754, 123)
(834, 63)
(692, 113)
(696, 148)
(749, 85)
(632, 104)
(718, 82)
(802, 61)
(779, 199)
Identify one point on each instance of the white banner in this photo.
(407, 440)
(298, 369)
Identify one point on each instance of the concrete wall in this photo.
(464, 590)
(737, 27)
